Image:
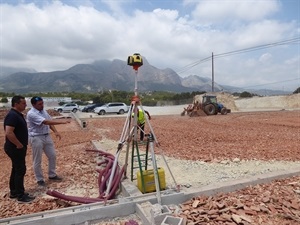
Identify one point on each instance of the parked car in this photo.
(68, 107)
(91, 107)
(80, 107)
(113, 107)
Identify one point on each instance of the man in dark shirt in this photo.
(15, 146)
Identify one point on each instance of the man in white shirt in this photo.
(39, 125)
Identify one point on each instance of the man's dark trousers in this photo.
(16, 181)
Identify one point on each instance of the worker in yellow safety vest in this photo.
(141, 122)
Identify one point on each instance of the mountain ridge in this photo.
(107, 75)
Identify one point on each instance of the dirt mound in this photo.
(280, 102)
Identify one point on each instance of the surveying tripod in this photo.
(130, 135)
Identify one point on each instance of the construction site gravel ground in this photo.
(199, 151)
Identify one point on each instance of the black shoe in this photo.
(15, 195)
(26, 199)
(56, 178)
(29, 195)
(41, 183)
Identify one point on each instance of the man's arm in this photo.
(9, 133)
(56, 121)
(148, 114)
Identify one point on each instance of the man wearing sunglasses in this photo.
(39, 125)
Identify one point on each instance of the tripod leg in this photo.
(128, 140)
(157, 185)
(125, 133)
(127, 152)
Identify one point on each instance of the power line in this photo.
(255, 48)
(187, 67)
(259, 47)
(277, 82)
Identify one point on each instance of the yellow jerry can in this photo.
(149, 180)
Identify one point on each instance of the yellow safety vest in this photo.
(141, 117)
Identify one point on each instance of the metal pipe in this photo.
(103, 176)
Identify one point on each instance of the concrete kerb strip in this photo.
(74, 215)
(82, 123)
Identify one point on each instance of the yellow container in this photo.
(149, 180)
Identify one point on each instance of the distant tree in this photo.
(4, 100)
(246, 94)
(4, 94)
(297, 91)
(98, 99)
(149, 98)
(149, 102)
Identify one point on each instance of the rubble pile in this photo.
(260, 204)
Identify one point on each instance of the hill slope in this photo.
(104, 75)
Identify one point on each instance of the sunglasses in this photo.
(38, 99)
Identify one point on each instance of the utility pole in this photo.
(212, 73)
(112, 95)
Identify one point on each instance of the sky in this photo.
(254, 43)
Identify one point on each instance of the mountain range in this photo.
(104, 75)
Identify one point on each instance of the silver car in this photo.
(68, 107)
(113, 107)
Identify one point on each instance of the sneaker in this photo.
(56, 178)
(26, 199)
(41, 183)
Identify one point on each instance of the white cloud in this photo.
(170, 15)
(265, 58)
